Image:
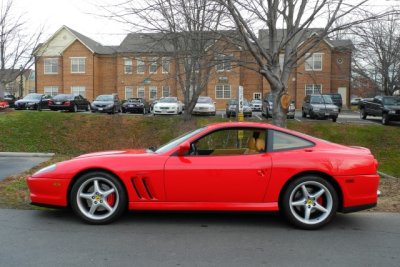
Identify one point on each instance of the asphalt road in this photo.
(57, 238)
(11, 165)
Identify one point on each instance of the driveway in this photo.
(14, 163)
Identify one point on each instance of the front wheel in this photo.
(334, 119)
(385, 119)
(309, 202)
(98, 198)
(363, 114)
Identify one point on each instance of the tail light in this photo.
(51, 102)
(68, 103)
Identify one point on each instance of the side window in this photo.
(283, 141)
(235, 141)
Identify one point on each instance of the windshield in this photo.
(63, 97)
(105, 98)
(168, 100)
(321, 99)
(391, 101)
(178, 140)
(256, 101)
(33, 96)
(204, 100)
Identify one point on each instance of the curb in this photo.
(384, 175)
(25, 154)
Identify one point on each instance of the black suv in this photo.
(336, 99)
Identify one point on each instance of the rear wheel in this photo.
(303, 114)
(385, 119)
(309, 202)
(334, 119)
(98, 198)
(75, 108)
(363, 114)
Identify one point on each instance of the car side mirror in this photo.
(184, 148)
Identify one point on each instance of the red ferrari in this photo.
(235, 166)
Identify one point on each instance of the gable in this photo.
(57, 44)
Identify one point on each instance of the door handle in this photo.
(261, 173)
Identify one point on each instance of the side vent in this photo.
(142, 187)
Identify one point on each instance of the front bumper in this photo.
(48, 191)
(134, 109)
(102, 109)
(60, 107)
(325, 114)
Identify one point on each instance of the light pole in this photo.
(21, 85)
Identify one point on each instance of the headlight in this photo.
(110, 105)
(335, 109)
(49, 168)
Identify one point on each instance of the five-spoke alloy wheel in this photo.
(309, 202)
(98, 198)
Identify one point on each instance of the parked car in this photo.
(355, 101)
(204, 106)
(336, 99)
(387, 107)
(135, 105)
(268, 105)
(10, 99)
(33, 101)
(69, 102)
(168, 105)
(234, 166)
(231, 108)
(256, 105)
(319, 106)
(106, 103)
(3, 104)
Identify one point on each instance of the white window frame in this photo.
(127, 65)
(78, 90)
(311, 61)
(224, 63)
(50, 66)
(153, 63)
(152, 89)
(313, 89)
(165, 89)
(140, 64)
(224, 91)
(50, 90)
(128, 92)
(257, 94)
(165, 62)
(140, 92)
(79, 63)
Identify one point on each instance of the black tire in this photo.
(108, 198)
(303, 113)
(385, 119)
(310, 211)
(75, 108)
(87, 107)
(334, 119)
(363, 114)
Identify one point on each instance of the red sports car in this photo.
(235, 166)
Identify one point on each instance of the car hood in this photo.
(166, 105)
(113, 152)
(204, 105)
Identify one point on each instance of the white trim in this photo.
(313, 88)
(152, 89)
(223, 91)
(169, 91)
(78, 65)
(307, 67)
(80, 89)
(131, 92)
(140, 88)
(140, 59)
(44, 65)
(151, 63)
(125, 65)
(165, 59)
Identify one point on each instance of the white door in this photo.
(343, 92)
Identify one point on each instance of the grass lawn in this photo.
(72, 134)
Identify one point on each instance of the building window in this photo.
(140, 65)
(78, 90)
(153, 92)
(313, 89)
(153, 66)
(223, 91)
(51, 90)
(128, 92)
(78, 65)
(165, 91)
(140, 91)
(128, 66)
(165, 65)
(224, 63)
(314, 61)
(257, 96)
(50, 65)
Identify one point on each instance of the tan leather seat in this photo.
(260, 145)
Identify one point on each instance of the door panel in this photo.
(238, 178)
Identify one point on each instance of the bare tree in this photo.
(16, 45)
(297, 17)
(188, 29)
(378, 55)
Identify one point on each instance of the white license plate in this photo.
(58, 103)
(131, 106)
(100, 108)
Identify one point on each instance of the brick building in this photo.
(141, 66)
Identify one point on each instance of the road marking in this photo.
(258, 116)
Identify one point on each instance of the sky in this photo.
(79, 15)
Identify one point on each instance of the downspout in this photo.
(36, 74)
(93, 79)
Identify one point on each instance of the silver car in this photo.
(319, 106)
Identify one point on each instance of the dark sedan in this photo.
(106, 103)
(135, 105)
(33, 101)
(231, 108)
(69, 102)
